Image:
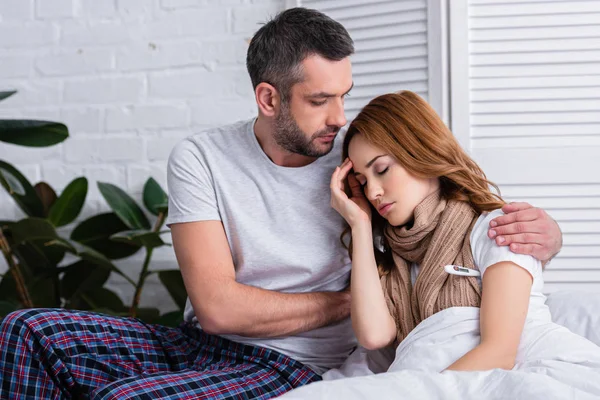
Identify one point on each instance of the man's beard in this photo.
(290, 137)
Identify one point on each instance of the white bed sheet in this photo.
(542, 371)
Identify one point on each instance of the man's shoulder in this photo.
(197, 145)
(223, 133)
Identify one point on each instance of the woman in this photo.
(432, 283)
(430, 205)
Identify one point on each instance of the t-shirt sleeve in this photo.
(487, 253)
(191, 189)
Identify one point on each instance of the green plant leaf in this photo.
(46, 194)
(155, 198)
(64, 244)
(11, 183)
(32, 133)
(124, 206)
(172, 319)
(68, 206)
(5, 225)
(144, 238)
(107, 311)
(104, 298)
(39, 254)
(148, 315)
(42, 290)
(81, 277)
(8, 288)
(173, 282)
(25, 195)
(6, 95)
(95, 233)
(88, 254)
(7, 307)
(30, 229)
(94, 257)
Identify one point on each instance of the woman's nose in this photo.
(373, 192)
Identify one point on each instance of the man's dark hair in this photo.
(279, 46)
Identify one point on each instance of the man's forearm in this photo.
(249, 311)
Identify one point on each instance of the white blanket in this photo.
(552, 363)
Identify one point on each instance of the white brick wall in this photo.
(130, 78)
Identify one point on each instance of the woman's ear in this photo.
(268, 99)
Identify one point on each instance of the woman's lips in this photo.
(385, 208)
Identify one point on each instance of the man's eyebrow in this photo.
(328, 95)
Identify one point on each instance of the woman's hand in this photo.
(355, 209)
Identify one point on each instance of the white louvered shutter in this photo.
(390, 39)
(534, 117)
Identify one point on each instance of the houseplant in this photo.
(47, 268)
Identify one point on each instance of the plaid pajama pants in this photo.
(60, 354)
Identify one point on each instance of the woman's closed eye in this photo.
(383, 171)
(363, 182)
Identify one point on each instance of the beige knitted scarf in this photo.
(439, 236)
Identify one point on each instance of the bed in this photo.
(574, 374)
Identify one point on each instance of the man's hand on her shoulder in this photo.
(527, 230)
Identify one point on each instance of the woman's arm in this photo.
(372, 323)
(371, 320)
(504, 303)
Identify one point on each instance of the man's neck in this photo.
(263, 130)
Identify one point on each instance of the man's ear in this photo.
(268, 99)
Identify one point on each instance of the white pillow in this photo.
(578, 311)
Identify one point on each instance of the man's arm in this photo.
(527, 230)
(224, 306)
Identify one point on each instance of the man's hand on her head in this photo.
(527, 230)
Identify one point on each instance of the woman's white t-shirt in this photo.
(487, 253)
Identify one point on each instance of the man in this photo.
(257, 243)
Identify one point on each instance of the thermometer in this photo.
(458, 270)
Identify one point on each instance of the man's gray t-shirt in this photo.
(282, 232)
